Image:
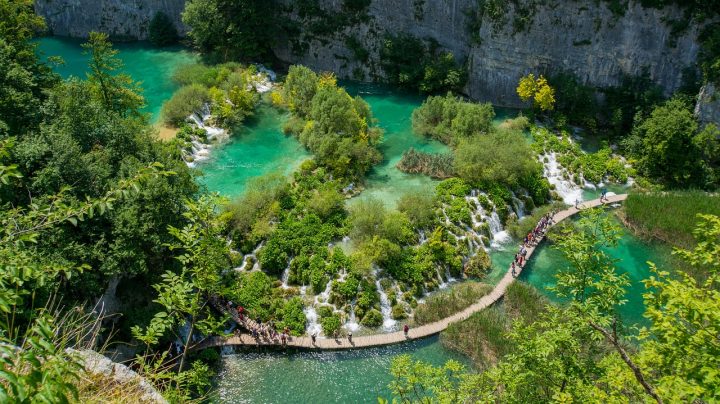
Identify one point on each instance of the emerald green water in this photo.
(152, 67)
(393, 111)
(631, 255)
(258, 148)
(359, 376)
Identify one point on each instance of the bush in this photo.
(372, 318)
(479, 265)
(293, 316)
(162, 31)
(331, 324)
(398, 312)
(448, 119)
(184, 102)
(412, 63)
(419, 209)
(502, 157)
(434, 165)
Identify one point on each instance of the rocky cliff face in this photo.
(583, 37)
(121, 19)
(707, 109)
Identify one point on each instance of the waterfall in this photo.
(500, 236)
(385, 308)
(518, 206)
(313, 327)
(247, 257)
(351, 324)
(568, 190)
(286, 276)
(441, 282)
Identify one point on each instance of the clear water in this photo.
(393, 110)
(631, 254)
(258, 148)
(153, 67)
(359, 376)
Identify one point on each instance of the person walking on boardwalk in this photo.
(313, 337)
(350, 337)
(406, 329)
(512, 269)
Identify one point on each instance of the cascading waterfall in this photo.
(568, 190)
(385, 307)
(313, 327)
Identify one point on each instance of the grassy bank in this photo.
(482, 336)
(450, 301)
(669, 216)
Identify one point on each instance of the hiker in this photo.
(577, 202)
(406, 329)
(283, 338)
(512, 269)
(313, 337)
(350, 337)
(603, 195)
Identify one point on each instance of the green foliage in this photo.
(331, 324)
(503, 157)
(452, 300)
(709, 57)
(186, 101)
(230, 30)
(411, 377)
(162, 31)
(450, 120)
(118, 92)
(434, 165)
(669, 216)
(372, 319)
(419, 209)
(337, 128)
(479, 265)
(412, 63)
(670, 148)
(227, 89)
(23, 79)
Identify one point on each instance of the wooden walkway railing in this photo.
(415, 332)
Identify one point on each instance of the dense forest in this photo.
(109, 237)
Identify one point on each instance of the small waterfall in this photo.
(518, 206)
(247, 257)
(351, 324)
(568, 190)
(421, 237)
(385, 308)
(286, 276)
(441, 282)
(500, 236)
(313, 327)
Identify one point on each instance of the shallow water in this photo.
(359, 376)
(631, 254)
(258, 148)
(393, 111)
(152, 67)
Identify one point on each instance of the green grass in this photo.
(482, 336)
(450, 301)
(669, 216)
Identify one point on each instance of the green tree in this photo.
(669, 147)
(231, 29)
(118, 91)
(204, 254)
(162, 31)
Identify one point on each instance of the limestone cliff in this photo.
(707, 108)
(121, 19)
(583, 37)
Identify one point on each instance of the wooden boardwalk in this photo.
(415, 332)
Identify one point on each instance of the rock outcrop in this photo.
(707, 109)
(583, 37)
(100, 366)
(121, 19)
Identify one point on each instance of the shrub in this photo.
(331, 324)
(419, 209)
(372, 318)
(398, 312)
(479, 265)
(435, 165)
(185, 102)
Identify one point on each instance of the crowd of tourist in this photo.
(531, 240)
